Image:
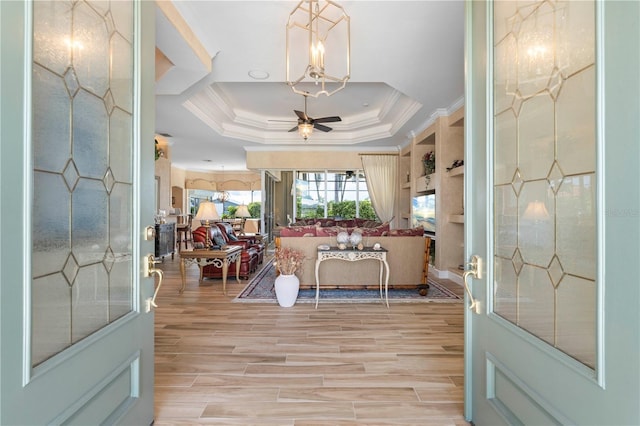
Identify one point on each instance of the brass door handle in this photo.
(155, 293)
(475, 272)
(149, 270)
(150, 233)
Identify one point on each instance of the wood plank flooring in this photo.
(219, 362)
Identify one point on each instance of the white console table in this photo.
(351, 255)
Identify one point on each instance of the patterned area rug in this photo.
(260, 289)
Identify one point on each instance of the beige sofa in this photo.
(405, 258)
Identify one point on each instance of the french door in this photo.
(76, 123)
(552, 184)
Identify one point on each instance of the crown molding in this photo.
(440, 112)
(212, 107)
(380, 149)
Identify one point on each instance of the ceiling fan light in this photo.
(305, 130)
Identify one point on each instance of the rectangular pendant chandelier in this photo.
(318, 48)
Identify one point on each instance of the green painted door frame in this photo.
(108, 376)
(512, 378)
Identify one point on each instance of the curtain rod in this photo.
(380, 153)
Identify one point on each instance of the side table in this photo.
(350, 255)
(220, 258)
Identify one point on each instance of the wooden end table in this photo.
(221, 258)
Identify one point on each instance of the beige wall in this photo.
(178, 193)
(178, 177)
(304, 160)
(163, 173)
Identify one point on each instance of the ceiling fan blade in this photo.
(321, 127)
(301, 115)
(283, 121)
(327, 119)
(293, 129)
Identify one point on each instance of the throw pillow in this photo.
(370, 224)
(218, 240)
(324, 232)
(330, 231)
(411, 232)
(347, 223)
(325, 222)
(358, 222)
(298, 231)
(372, 232)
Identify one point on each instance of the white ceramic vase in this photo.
(286, 287)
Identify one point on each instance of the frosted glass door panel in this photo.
(545, 172)
(82, 178)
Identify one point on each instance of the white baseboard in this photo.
(438, 273)
(449, 275)
(455, 277)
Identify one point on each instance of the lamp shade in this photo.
(536, 210)
(242, 211)
(207, 212)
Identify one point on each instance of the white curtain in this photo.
(381, 172)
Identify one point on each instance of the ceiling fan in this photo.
(306, 124)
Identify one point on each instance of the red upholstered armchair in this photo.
(248, 256)
(230, 236)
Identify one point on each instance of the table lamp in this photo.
(243, 212)
(206, 214)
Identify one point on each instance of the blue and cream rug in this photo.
(260, 289)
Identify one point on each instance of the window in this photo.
(332, 194)
(227, 209)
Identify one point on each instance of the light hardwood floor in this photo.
(219, 362)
